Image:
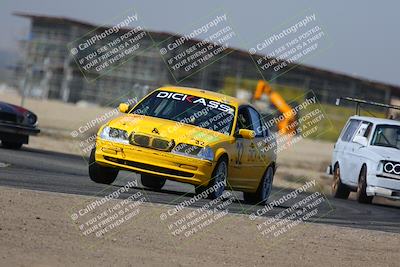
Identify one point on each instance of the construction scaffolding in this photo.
(49, 71)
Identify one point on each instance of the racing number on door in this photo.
(240, 151)
(252, 153)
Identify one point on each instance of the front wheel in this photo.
(153, 182)
(11, 145)
(217, 184)
(339, 190)
(100, 174)
(362, 196)
(264, 189)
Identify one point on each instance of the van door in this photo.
(346, 147)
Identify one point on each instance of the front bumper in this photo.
(18, 129)
(154, 162)
(329, 170)
(383, 192)
(383, 184)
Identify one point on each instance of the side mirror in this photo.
(361, 140)
(123, 107)
(247, 134)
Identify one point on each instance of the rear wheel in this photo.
(11, 145)
(339, 190)
(362, 196)
(100, 174)
(154, 182)
(264, 188)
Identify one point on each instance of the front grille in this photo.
(149, 167)
(151, 142)
(141, 140)
(9, 117)
(160, 144)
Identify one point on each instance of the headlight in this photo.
(194, 151)
(115, 135)
(206, 153)
(391, 167)
(29, 118)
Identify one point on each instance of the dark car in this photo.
(16, 124)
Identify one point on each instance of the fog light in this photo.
(188, 167)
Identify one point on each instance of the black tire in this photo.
(218, 180)
(11, 145)
(362, 196)
(200, 189)
(100, 174)
(153, 182)
(339, 190)
(264, 189)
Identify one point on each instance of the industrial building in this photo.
(49, 71)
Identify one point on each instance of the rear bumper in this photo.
(149, 161)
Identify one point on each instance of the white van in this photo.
(366, 159)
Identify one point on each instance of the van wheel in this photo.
(100, 174)
(339, 190)
(264, 189)
(153, 182)
(362, 196)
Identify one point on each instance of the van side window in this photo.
(351, 128)
(364, 129)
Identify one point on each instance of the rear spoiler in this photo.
(360, 101)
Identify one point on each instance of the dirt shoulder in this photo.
(36, 230)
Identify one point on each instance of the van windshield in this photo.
(387, 136)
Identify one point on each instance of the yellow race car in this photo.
(210, 140)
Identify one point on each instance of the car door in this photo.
(347, 146)
(260, 157)
(240, 163)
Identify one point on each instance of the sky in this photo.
(365, 35)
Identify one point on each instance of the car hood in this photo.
(16, 114)
(388, 153)
(168, 129)
(10, 108)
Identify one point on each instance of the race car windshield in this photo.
(387, 136)
(193, 110)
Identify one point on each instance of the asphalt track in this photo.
(57, 172)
